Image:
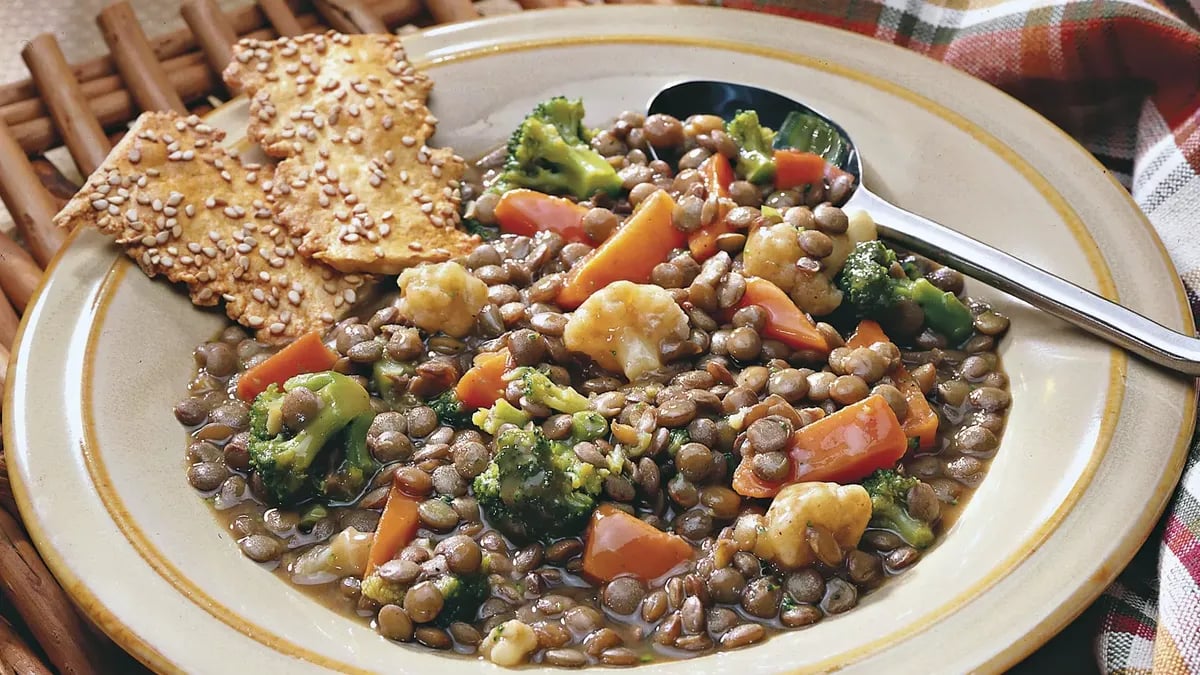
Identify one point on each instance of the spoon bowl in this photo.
(1063, 299)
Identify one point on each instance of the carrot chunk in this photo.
(630, 254)
(844, 447)
(619, 544)
(308, 354)
(921, 422)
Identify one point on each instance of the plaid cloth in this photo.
(1122, 77)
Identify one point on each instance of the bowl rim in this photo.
(1050, 624)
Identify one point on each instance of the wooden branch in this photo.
(28, 202)
(68, 106)
(17, 656)
(8, 322)
(51, 617)
(451, 11)
(350, 16)
(212, 30)
(19, 274)
(281, 17)
(143, 74)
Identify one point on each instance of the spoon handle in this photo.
(1043, 290)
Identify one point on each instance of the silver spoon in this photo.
(1063, 299)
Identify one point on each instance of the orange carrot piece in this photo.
(785, 321)
(844, 447)
(718, 176)
(794, 168)
(921, 422)
(483, 384)
(630, 254)
(308, 354)
(619, 544)
(397, 527)
(528, 212)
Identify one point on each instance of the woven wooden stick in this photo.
(28, 202)
(8, 322)
(176, 43)
(166, 46)
(281, 17)
(19, 274)
(64, 97)
(135, 59)
(32, 590)
(451, 11)
(540, 4)
(212, 30)
(350, 16)
(189, 75)
(14, 653)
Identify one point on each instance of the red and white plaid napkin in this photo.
(1123, 78)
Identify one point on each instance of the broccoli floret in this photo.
(755, 161)
(539, 388)
(502, 412)
(450, 411)
(375, 587)
(461, 597)
(537, 490)
(678, 439)
(284, 458)
(349, 470)
(889, 507)
(549, 152)
(872, 289)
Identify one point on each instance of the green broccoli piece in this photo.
(755, 161)
(375, 587)
(871, 288)
(390, 379)
(588, 425)
(349, 470)
(502, 412)
(461, 597)
(889, 507)
(539, 388)
(284, 458)
(537, 490)
(450, 411)
(549, 152)
(678, 439)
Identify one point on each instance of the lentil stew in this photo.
(700, 357)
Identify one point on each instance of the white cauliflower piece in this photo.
(441, 296)
(509, 644)
(844, 510)
(861, 228)
(772, 253)
(622, 325)
(349, 550)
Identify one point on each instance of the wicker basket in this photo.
(56, 127)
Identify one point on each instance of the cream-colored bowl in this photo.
(1094, 444)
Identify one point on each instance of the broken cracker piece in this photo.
(186, 208)
(357, 182)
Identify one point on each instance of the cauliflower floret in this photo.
(844, 510)
(349, 549)
(861, 228)
(509, 644)
(622, 325)
(442, 296)
(772, 253)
